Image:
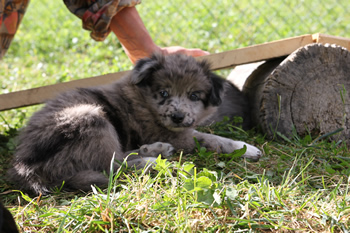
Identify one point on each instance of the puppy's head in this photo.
(180, 91)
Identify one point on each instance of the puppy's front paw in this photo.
(157, 148)
(226, 145)
(252, 152)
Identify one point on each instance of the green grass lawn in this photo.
(300, 184)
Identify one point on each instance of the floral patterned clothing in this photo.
(96, 16)
(11, 14)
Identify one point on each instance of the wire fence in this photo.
(242, 23)
(228, 24)
(52, 47)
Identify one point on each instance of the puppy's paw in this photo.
(252, 152)
(226, 145)
(157, 148)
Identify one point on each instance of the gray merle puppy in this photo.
(151, 111)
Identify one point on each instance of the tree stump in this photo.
(308, 90)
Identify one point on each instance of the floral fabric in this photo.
(97, 14)
(11, 14)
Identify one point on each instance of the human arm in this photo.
(128, 26)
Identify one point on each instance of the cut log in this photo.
(239, 74)
(308, 90)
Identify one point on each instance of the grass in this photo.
(294, 187)
(291, 189)
(300, 184)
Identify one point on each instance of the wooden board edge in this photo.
(258, 52)
(41, 94)
(328, 39)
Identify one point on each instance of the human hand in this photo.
(135, 55)
(179, 49)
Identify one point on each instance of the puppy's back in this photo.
(55, 146)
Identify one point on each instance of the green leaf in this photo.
(203, 182)
(240, 152)
(188, 167)
(212, 175)
(206, 197)
(231, 193)
(25, 197)
(221, 164)
(161, 163)
(330, 170)
(197, 185)
(189, 184)
(162, 166)
(46, 215)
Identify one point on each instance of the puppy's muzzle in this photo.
(177, 117)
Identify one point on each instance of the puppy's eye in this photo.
(194, 97)
(164, 94)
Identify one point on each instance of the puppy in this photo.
(7, 223)
(151, 111)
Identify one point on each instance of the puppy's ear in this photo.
(144, 68)
(217, 89)
(217, 84)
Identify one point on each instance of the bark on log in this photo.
(308, 90)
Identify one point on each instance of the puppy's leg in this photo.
(83, 180)
(148, 154)
(226, 145)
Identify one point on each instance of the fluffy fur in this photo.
(152, 111)
(7, 223)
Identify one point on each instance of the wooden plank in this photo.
(259, 52)
(41, 94)
(327, 39)
(222, 60)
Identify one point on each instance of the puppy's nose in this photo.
(177, 117)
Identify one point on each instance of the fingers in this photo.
(190, 52)
(196, 52)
